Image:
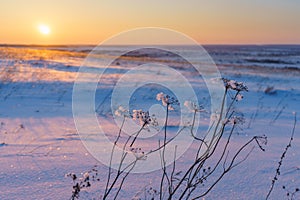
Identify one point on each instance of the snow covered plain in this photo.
(39, 143)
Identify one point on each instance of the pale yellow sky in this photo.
(208, 22)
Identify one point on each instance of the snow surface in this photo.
(39, 143)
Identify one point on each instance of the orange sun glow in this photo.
(45, 30)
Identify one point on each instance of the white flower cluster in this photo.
(234, 85)
(161, 97)
(143, 117)
(193, 107)
(122, 112)
(167, 100)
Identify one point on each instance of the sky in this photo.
(93, 21)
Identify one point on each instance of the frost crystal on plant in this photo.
(122, 112)
(239, 97)
(138, 153)
(167, 100)
(234, 85)
(144, 118)
(86, 175)
(193, 107)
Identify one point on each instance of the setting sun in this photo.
(44, 29)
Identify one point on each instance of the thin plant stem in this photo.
(282, 157)
(112, 153)
(163, 155)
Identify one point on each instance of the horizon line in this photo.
(208, 44)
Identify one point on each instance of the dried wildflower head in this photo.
(144, 118)
(234, 85)
(72, 175)
(192, 106)
(122, 112)
(236, 120)
(167, 100)
(138, 153)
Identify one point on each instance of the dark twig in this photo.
(281, 158)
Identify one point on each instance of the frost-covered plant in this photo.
(187, 183)
(83, 182)
(194, 176)
(283, 155)
(145, 120)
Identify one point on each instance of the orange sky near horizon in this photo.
(92, 21)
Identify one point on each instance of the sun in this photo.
(45, 30)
